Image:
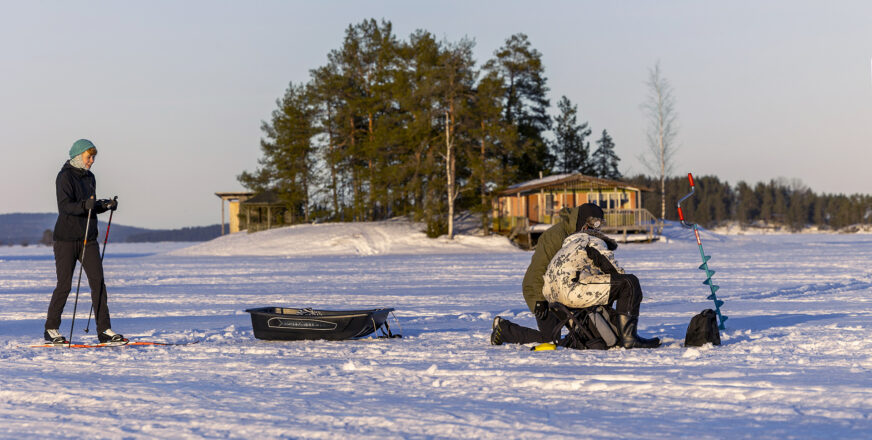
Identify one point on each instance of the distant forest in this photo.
(779, 202)
(32, 228)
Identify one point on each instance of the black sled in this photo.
(289, 324)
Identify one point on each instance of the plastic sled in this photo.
(290, 324)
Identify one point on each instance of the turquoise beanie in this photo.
(80, 146)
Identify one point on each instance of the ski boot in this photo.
(54, 336)
(110, 337)
(629, 337)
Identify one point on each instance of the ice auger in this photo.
(705, 258)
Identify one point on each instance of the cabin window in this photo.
(549, 204)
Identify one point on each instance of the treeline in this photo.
(390, 127)
(779, 202)
(36, 228)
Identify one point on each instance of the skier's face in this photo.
(88, 159)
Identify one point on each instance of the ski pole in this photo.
(103, 254)
(79, 284)
(705, 258)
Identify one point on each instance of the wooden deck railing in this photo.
(617, 221)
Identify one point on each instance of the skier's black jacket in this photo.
(74, 186)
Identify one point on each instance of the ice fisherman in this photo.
(574, 264)
(76, 195)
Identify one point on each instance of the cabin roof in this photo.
(558, 180)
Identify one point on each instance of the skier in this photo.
(76, 193)
(573, 264)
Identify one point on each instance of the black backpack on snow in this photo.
(588, 328)
(703, 329)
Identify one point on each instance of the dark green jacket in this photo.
(549, 243)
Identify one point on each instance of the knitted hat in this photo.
(80, 146)
(586, 211)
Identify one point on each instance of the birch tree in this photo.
(457, 81)
(662, 130)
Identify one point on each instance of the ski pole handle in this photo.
(690, 178)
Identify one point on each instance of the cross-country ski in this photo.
(113, 344)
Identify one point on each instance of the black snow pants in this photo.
(512, 333)
(625, 290)
(66, 254)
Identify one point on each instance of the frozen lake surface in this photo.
(796, 359)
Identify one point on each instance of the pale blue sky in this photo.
(173, 92)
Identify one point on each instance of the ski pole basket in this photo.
(290, 324)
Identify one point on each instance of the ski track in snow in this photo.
(795, 361)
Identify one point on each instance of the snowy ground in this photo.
(796, 360)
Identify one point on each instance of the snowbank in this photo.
(392, 237)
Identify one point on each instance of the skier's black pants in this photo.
(66, 254)
(515, 334)
(627, 292)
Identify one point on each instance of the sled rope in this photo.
(705, 258)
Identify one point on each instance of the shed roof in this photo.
(265, 198)
(234, 195)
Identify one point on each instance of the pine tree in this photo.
(288, 152)
(496, 140)
(419, 168)
(525, 104)
(604, 159)
(570, 149)
(747, 204)
(328, 103)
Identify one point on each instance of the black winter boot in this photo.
(496, 336)
(629, 338)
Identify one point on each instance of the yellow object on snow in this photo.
(545, 346)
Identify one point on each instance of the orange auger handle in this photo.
(680, 212)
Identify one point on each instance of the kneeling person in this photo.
(574, 265)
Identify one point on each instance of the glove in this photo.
(89, 204)
(107, 204)
(540, 311)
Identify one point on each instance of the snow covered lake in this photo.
(796, 359)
